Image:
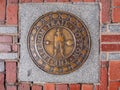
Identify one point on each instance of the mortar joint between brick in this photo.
(111, 11)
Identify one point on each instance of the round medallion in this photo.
(59, 42)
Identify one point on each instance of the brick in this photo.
(116, 14)
(74, 86)
(61, 87)
(105, 11)
(1, 79)
(24, 86)
(116, 2)
(114, 70)
(23, 1)
(13, 1)
(40, 0)
(110, 38)
(110, 47)
(5, 39)
(2, 87)
(114, 85)
(50, 0)
(12, 14)
(49, 86)
(89, 0)
(96, 87)
(36, 87)
(15, 48)
(87, 87)
(11, 88)
(62, 0)
(5, 48)
(2, 9)
(11, 71)
(76, 0)
(104, 76)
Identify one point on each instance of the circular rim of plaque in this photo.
(59, 42)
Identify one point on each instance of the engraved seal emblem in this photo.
(59, 42)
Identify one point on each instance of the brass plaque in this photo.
(59, 42)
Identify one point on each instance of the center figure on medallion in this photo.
(59, 45)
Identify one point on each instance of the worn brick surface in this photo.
(24, 86)
(1, 78)
(62, 0)
(116, 14)
(11, 88)
(23, 1)
(2, 9)
(87, 87)
(116, 2)
(50, 0)
(76, 0)
(12, 14)
(61, 87)
(104, 76)
(74, 87)
(114, 70)
(2, 81)
(37, 87)
(40, 1)
(105, 11)
(49, 86)
(5, 48)
(2, 87)
(11, 71)
(13, 1)
(110, 47)
(89, 0)
(5, 39)
(110, 38)
(114, 85)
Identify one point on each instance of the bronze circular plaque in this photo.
(59, 42)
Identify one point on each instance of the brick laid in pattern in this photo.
(24, 86)
(110, 47)
(2, 9)
(61, 87)
(114, 70)
(74, 86)
(12, 14)
(104, 76)
(87, 87)
(116, 14)
(11, 71)
(11, 88)
(114, 85)
(37, 87)
(105, 11)
(49, 86)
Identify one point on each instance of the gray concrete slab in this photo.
(89, 13)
